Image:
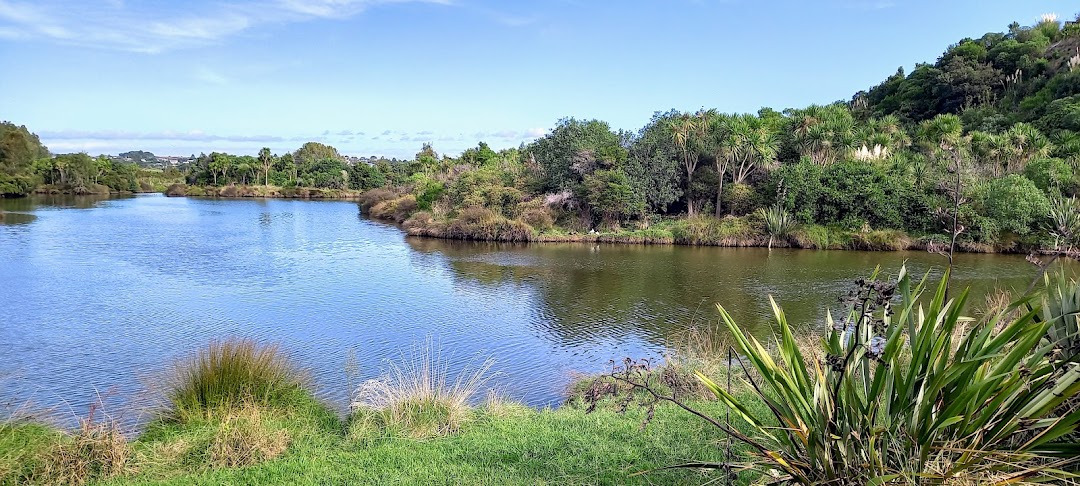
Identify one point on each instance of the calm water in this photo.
(99, 296)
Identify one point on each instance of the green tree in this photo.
(611, 194)
(653, 164)
(266, 159)
(312, 152)
(1015, 204)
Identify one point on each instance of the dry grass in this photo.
(417, 396)
(245, 438)
(95, 451)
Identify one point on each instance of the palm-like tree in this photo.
(943, 136)
(684, 129)
(761, 145)
(723, 151)
(825, 133)
(267, 160)
(1027, 143)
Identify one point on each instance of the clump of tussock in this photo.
(396, 209)
(417, 397)
(729, 231)
(95, 451)
(245, 437)
(231, 373)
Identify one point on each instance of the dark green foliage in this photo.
(486, 187)
(611, 194)
(1014, 204)
(741, 199)
(364, 177)
(1051, 175)
(573, 149)
(653, 165)
(851, 193)
(19, 149)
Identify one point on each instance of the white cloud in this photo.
(126, 27)
(85, 136)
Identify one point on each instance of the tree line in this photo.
(982, 146)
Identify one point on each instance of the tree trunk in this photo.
(719, 192)
(689, 202)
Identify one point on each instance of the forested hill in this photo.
(987, 137)
(995, 81)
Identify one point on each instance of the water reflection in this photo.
(9, 218)
(104, 292)
(594, 294)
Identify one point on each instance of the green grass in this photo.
(229, 373)
(23, 448)
(500, 445)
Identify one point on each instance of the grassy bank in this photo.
(534, 223)
(500, 445)
(241, 414)
(234, 190)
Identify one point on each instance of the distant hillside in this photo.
(1028, 74)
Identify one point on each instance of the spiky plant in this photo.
(779, 223)
(895, 401)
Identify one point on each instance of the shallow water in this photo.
(101, 295)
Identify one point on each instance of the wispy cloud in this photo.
(113, 24)
(115, 135)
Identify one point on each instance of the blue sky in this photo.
(384, 76)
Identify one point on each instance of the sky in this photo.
(381, 77)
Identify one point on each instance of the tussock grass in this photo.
(245, 437)
(706, 230)
(417, 397)
(233, 373)
(33, 453)
(95, 451)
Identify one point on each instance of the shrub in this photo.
(778, 222)
(1050, 175)
(398, 209)
(740, 199)
(230, 373)
(1015, 204)
(370, 198)
(176, 190)
(478, 223)
(416, 396)
(535, 214)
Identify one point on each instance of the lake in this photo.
(101, 296)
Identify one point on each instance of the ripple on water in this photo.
(102, 296)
